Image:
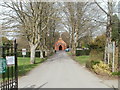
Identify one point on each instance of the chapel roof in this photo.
(60, 41)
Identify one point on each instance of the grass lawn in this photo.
(82, 59)
(24, 65)
(69, 53)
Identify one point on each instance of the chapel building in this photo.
(60, 45)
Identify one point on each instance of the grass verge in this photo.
(24, 65)
(81, 59)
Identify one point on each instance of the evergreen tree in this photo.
(115, 28)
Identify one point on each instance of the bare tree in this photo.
(109, 14)
(76, 21)
(32, 20)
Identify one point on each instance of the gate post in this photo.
(7, 83)
(16, 65)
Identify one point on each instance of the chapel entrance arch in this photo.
(60, 47)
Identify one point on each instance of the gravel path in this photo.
(60, 71)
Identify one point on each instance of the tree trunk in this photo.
(46, 53)
(41, 54)
(73, 40)
(70, 45)
(108, 54)
(109, 27)
(105, 56)
(119, 61)
(113, 61)
(32, 54)
(73, 49)
(119, 52)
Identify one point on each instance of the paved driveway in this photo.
(60, 71)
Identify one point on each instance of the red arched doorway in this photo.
(60, 47)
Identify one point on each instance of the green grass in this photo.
(69, 53)
(24, 65)
(116, 73)
(82, 59)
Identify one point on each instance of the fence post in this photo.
(16, 65)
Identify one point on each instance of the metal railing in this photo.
(9, 73)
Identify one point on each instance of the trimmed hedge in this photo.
(37, 54)
(82, 52)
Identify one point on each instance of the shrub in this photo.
(98, 43)
(95, 62)
(96, 55)
(19, 54)
(102, 69)
(90, 64)
(82, 52)
(116, 73)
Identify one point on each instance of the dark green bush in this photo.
(37, 54)
(19, 54)
(82, 52)
(94, 62)
(116, 73)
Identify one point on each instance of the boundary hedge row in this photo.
(82, 52)
(37, 54)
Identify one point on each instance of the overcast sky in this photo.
(103, 5)
(62, 0)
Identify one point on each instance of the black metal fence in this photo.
(8, 73)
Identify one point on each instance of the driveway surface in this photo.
(60, 71)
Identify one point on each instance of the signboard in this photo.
(110, 48)
(2, 65)
(10, 60)
(79, 49)
(23, 52)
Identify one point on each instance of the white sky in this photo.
(62, 0)
(103, 5)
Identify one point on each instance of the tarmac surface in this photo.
(60, 71)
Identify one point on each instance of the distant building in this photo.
(60, 45)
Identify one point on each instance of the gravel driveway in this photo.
(60, 71)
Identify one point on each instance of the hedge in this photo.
(82, 52)
(37, 54)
